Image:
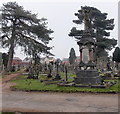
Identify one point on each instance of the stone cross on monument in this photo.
(87, 21)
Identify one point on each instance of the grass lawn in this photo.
(0, 75)
(22, 83)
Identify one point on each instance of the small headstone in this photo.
(66, 76)
(57, 77)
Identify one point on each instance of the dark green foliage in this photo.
(116, 55)
(72, 56)
(22, 28)
(5, 59)
(99, 29)
(28, 29)
(104, 44)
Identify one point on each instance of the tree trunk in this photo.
(10, 58)
(11, 49)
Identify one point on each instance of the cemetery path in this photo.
(10, 76)
(4, 82)
(56, 102)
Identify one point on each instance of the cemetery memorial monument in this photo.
(86, 73)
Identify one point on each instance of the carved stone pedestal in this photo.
(87, 77)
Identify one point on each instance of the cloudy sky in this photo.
(60, 14)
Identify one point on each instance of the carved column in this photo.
(91, 54)
(81, 55)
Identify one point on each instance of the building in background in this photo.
(26, 62)
(77, 59)
(47, 60)
(65, 61)
(17, 62)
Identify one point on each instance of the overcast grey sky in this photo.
(60, 14)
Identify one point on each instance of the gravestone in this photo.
(66, 76)
(57, 77)
(50, 67)
(30, 73)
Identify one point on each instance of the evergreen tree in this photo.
(5, 59)
(22, 28)
(99, 29)
(72, 56)
(116, 55)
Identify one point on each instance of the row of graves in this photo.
(84, 76)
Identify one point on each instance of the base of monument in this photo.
(87, 77)
(81, 86)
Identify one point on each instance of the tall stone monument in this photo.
(86, 73)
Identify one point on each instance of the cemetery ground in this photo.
(45, 84)
(58, 100)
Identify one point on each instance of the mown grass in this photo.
(70, 76)
(0, 75)
(22, 83)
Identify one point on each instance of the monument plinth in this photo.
(87, 77)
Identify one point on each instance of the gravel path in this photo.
(57, 102)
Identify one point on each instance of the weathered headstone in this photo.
(57, 77)
(66, 76)
(50, 70)
(30, 73)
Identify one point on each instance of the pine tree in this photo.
(99, 29)
(5, 59)
(116, 55)
(72, 56)
(22, 28)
